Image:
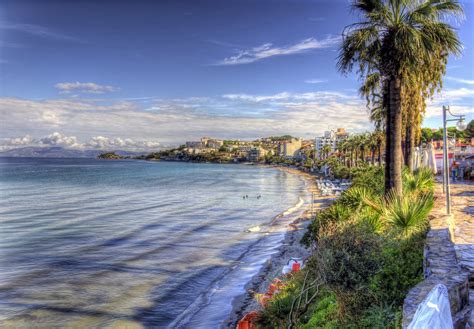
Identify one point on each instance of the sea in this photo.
(87, 243)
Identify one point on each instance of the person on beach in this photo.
(454, 170)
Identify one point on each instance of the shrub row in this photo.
(368, 252)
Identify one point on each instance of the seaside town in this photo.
(315, 154)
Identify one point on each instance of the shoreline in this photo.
(289, 247)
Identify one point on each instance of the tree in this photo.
(399, 40)
(325, 151)
(470, 129)
(426, 135)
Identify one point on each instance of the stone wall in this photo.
(441, 266)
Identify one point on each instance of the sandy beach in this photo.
(290, 247)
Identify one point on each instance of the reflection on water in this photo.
(87, 243)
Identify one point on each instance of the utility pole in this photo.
(461, 125)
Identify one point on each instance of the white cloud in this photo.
(448, 96)
(38, 30)
(315, 81)
(461, 101)
(104, 143)
(268, 50)
(84, 87)
(174, 121)
(72, 142)
(286, 96)
(258, 98)
(468, 82)
(435, 110)
(18, 141)
(57, 139)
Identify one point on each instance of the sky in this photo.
(139, 75)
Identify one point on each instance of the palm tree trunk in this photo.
(379, 151)
(393, 162)
(372, 156)
(409, 147)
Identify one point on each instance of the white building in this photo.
(330, 138)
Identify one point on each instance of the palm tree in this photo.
(326, 150)
(399, 39)
(372, 144)
(379, 136)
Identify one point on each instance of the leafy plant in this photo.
(407, 213)
(401, 268)
(324, 314)
(354, 197)
(421, 181)
(335, 213)
(371, 218)
(347, 256)
(369, 177)
(381, 317)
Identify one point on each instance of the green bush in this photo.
(368, 255)
(276, 314)
(324, 314)
(346, 258)
(421, 181)
(334, 213)
(381, 317)
(401, 268)
(369, 177)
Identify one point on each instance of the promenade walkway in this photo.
(463, 210)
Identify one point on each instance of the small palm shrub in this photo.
(421, 181)
(371, 218)
(354, 197)
(407, 214)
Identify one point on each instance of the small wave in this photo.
(295, 208)
(254, 229)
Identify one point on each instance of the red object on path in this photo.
(246, 321)
(296, 267)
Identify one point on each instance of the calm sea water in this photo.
(86, 243)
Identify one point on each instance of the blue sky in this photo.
(144, 73)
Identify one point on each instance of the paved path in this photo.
(463, 210)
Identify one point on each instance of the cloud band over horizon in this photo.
(268, 50)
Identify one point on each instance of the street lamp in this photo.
(461, 125)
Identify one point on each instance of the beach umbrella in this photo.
(426, 159)
(416, 158)
(432, 159)
(419, 157)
